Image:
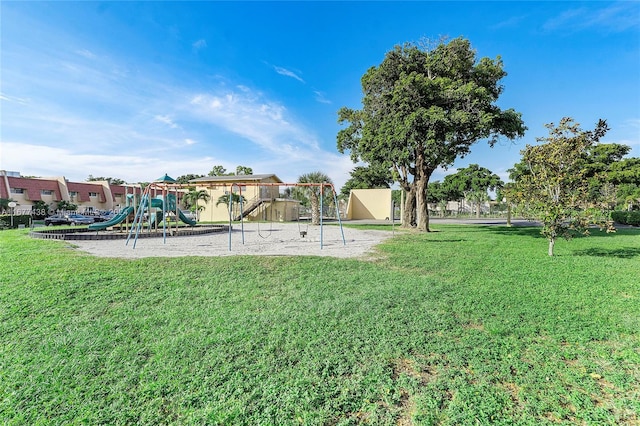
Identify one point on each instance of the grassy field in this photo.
(467, 325)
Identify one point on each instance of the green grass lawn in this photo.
(467, 325)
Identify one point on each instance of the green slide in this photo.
(186, 219)
(120, 217)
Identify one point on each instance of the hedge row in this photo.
(18, 219)
(626, 217)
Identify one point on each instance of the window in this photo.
(46, 192)
(93, 194)
(17, 190)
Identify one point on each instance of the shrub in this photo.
(18, 219)
(626, 217)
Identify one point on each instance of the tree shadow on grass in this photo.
(525, 231)
(621, 253)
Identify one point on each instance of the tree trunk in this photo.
(422, 207)
(409, 214)
(478, 210)
(315, 209)
(423, 173)
(552, 241)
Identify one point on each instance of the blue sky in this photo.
(134, 90)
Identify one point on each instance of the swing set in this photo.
(236, 192)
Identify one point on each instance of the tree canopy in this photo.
(314, 192)
(367, 177)
(474, 182)
(219, 170)
(423, 107)
(112, 181)
(186, 178)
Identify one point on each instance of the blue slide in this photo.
(120, 217)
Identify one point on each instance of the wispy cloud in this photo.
(511, 22)
(167, 120)
(86, 53)
(104, 115)
(7, 98)
(287, 73)
(77, 166)
(321, 97)
(617, 17)
(249, 115)
(199, 44)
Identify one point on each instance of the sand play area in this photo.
(265, 239)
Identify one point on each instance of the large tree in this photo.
(474, 182)
(423, 107)
(555, 190)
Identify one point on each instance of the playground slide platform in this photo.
(120, 217)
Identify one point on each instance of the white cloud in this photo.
(320, 97)
(199, 44)
(287, 73)
(86, 53)
(512, 22)
(36, 160)
(167, 120)
(616, 17)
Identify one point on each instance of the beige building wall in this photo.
(369, 204)
(254, 196)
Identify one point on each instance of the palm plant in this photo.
(313, 192)
(236, 199)
(191, 199)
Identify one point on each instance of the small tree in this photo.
(314, 192)
(40, 209)
(190, 199)
(555, 191)
(235, 200)
(67, 206)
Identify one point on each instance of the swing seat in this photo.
(303, 234)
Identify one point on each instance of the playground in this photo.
(267, 225)
(264, 239)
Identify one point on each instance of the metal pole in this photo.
(241, 214)
(335, 200)
(321, 236)
(164, 213)
(230, 196)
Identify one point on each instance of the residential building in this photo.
(261, 198)
(88, 196)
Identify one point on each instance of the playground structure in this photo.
(159, 200)
(263, 206)
(264, 203)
